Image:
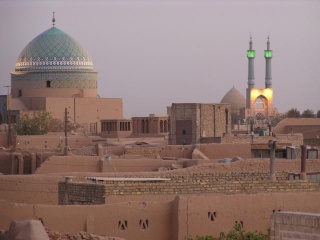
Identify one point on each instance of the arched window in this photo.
(161, 126)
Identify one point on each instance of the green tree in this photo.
(293, 113)
(318, 114)
(276, 119)
(308, 113)
(37, 123)
(237, 233)
(234, 118)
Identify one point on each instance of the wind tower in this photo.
(250, 54)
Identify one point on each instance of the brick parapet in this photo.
(287, 139)
(150, 152)
(81, 193)
(197, 183)
(312, 142)
(187, 186)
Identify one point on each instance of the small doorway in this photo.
(184, 132)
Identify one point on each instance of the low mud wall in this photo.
(186, 215)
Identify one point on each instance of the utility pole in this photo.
(303, 174)
(9, 116)
(65, 152)
(272, 145)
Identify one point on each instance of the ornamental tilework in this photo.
(49, 76)
(36, 84)
(53, 50)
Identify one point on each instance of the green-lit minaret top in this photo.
(251, 53)
(268, 53)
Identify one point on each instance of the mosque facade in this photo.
(258, 103)
(54, 72)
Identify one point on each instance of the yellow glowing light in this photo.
(267, 93)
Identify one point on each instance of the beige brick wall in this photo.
(151, 152)
(296, 139)
(206, 126)
(81, 194)
(222, 184)
(220, 111)
(208, 120)
(295, 225)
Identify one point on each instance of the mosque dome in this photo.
(235, 99)
(53, 50)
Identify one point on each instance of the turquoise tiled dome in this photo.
(53, 50)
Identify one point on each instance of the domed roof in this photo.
(235, 99)
(53, 50)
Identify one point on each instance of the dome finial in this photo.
(53, 19)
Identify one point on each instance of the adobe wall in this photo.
(295, 225)
(212, 150)
(30, 189)
(258, 164)
(92, 164)
(39, 188)
(62, 164)
(186, 215)
(51, 141)
(115, 134)
(130, 220)
(136, 165)
(21, 162)
(73, 163)
(114, 150)
(227, 150)
(31, 103)
(308, 131)
(86, 111)
(211, 214)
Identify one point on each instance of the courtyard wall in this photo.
(185, 215)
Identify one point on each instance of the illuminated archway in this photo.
(261, 104)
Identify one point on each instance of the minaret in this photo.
(250, 54)
(268, 55)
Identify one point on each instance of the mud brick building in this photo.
(193, 122)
